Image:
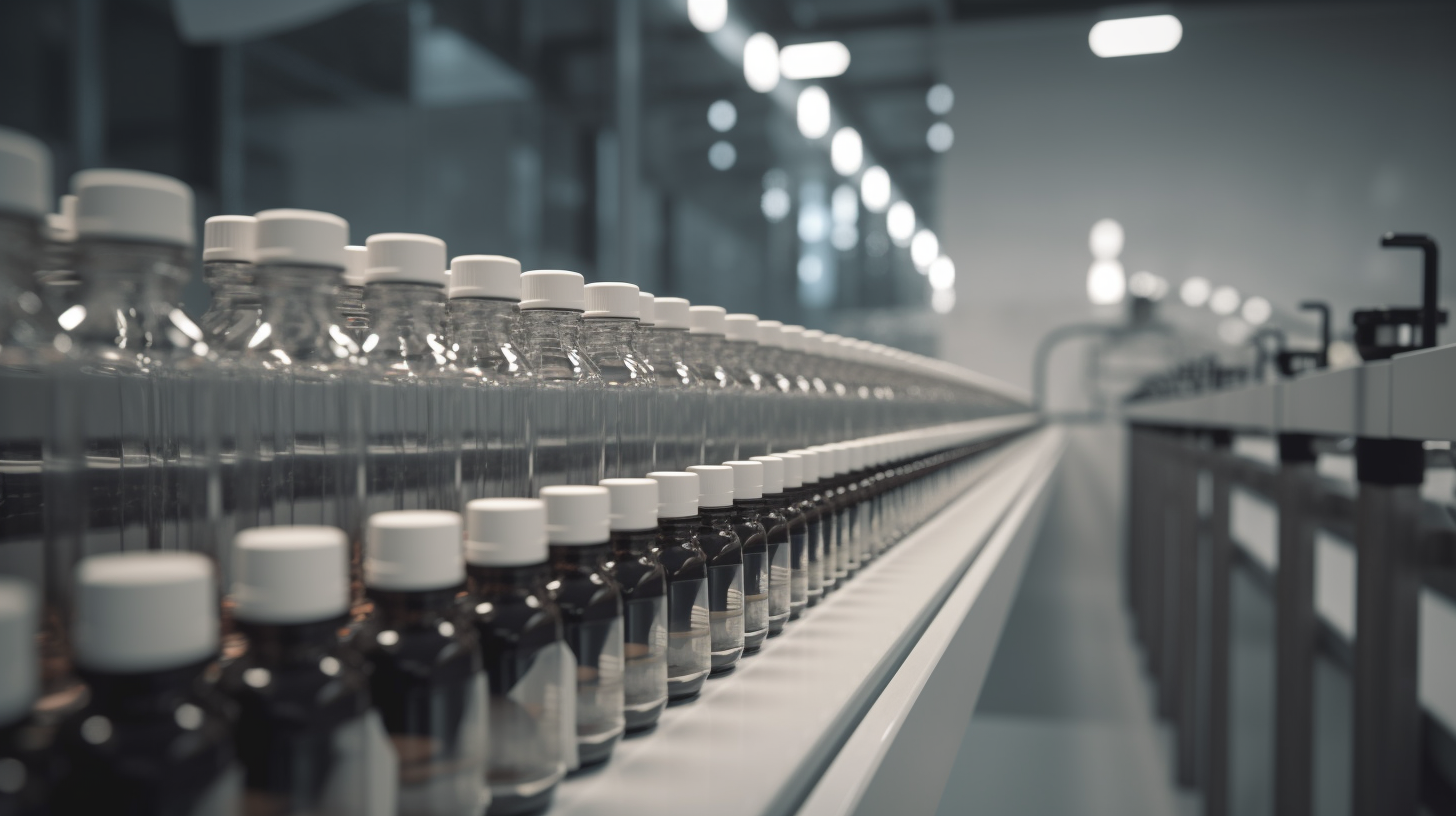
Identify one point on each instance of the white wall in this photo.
(1270, 150)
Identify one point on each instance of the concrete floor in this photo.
(1065, 723)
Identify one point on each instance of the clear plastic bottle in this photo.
(640, 577)
(754, 406)
(306, 735)
(752, 531)
(55, 277)
(349, 297)
(155, 736)
(496, 426)
(793, 363)
(770, 509)
(792, 508)
(705, 355)
(724, 552)
(299, 444)
(822, 424)
(828, 358)
(577, 529)
(532, 713)
(629, 385)
(569, 439)
(689, 639)
(681, 396)
(413, 392)
(426, 677)
(229, 250)
(778, 416)
(24, 739)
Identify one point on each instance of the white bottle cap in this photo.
(793, 337)
(133, 205)
(356, 265)
(677, 493)
(634, 503)
(843, 458)
(19, 619)
(303, 237)
(810, 472)
(290, 574)
(553, 289)
(413, 551)
(485, 276)
(25, 174)
(708, 319)
(747, 479)
(612, 300)
(577, 514)
(715, 485)
(770, 334)
(405, 257)
(828, 461)
(144, 611)
(773, 473)
(741, 327)
(505, 532)
(855, 452)
(671, 313)
(230, 238)
(793, 470)
(646, 315)
(60, 226)
(813, 338)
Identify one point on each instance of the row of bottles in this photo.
(480, 660)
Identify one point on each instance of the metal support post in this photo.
(1216, 774)
(1180, 502)
(1296, 628)
(1186, 597)
(1157, 536)
(1387, 617)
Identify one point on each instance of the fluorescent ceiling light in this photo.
(708, 16)
(846, 151)
(874, 189)
(844, 204)
(1105, 240)
(775, 204)
(1135, 35)
(940, 99)
(761, 62)
(1106, 284)
(1195, 291)
(942, 300)
(813, 60)
(1225, 300)
(722, 116)
(722, 155)
(900, 223)
(813, 112)
(940, 137)
(942, 273)
(1257, 310)
(924, 249)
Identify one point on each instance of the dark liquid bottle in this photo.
(724, 552)
(747, 522)
(155, 738)
(426, 676)
(305, 734)
(798, 531)
(831, 487)
(519, 629)
(591, 613)
(689, 641)
(811, 507)
(639, 575)
(24, 766)
(769, 510)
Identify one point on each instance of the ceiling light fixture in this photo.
(817, 60)
(874, 189)
(1131, 36)
(761, 62)
(846, 151)
(813, 112)
(708, 16)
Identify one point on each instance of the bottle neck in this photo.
(498, 582)
(298, 313)
(633, 543)
(151, 693)
(610, 343)
(579, 557)
(480, 334)
(757, 506)
(552, 339)
(233, 285)
(128, 292)
(279, 644)
(394, 609)
(680, 528)
(664, 347)
(406, 323)
(716, 516)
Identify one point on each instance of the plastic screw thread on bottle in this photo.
(532, 683)
(570, 439)
(705, 353)
(724, 552)
(629, 385)
(689, 637)
(426, 678)
(639, 575)
(681, 395)
(229, 250)
(349, 297)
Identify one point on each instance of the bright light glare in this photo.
(942, 301)
(844, 237)
(924, 249)
(813, 223)
(844, 204)
(1257, 310)
(900, 223)
(1224, 301)
(775, 204)
(1147, 285)
(708, 16)
(942, 273)
(1105, 240)
(874, 189)
(761, 62)
(1106, 283)
(722, 155)
(72, 317)
(813, 112)
(846, 151)
(1135, 35)
(940, 137)
(1234, 331)
(811, 269)
(1195, 291)
(722, 116)
(813, 60)
(940, 99)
